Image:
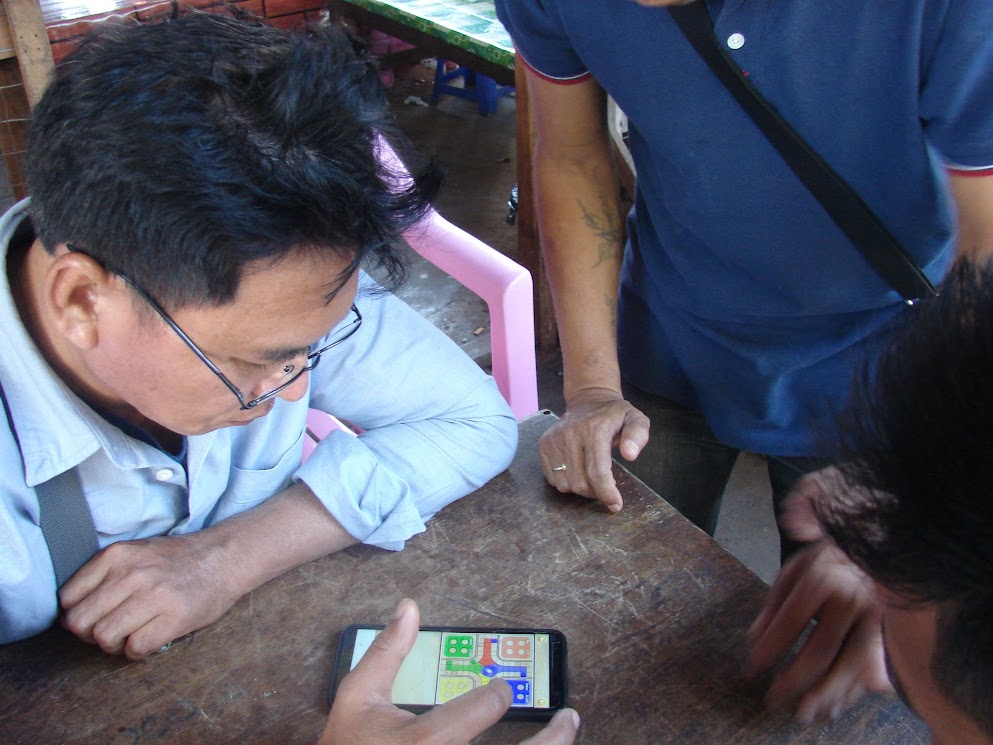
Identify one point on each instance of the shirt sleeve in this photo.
(434, 426)
(540, 38)
(956, 99)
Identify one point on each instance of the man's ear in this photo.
(77, 291)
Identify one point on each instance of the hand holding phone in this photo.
(363, 714)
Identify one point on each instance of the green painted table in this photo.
(465, 31)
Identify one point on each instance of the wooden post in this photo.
(34, 53)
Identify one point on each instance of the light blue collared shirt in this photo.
(435, 428)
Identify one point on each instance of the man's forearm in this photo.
(290, 529)
(582, 242)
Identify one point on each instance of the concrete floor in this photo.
(477, 153)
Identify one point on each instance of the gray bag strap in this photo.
(65, 517)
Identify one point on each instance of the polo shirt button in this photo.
(163, 474)
(736, 41)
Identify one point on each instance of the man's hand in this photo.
(362, 713)
(595, 421)
(842, 658)
(135, 596)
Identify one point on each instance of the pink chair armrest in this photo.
(506, 288)
(319, 425)
(503, 284)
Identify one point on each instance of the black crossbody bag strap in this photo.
(65, 517)
(878, 245)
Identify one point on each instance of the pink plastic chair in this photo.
(503, 284)
(506, 288)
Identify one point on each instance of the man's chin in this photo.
(237, 419)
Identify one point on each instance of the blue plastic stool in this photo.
(477, 87)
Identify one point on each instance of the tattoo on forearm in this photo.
(611, 304)
(606, 226)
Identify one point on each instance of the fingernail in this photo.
(401, 609)
(756, 625)
(575, 718)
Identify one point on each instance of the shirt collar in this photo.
(56, 430)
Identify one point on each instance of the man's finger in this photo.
(560, 731)
(85, 581)
(856, 670)
(781, 589)
(789, 617)
(378, 668)
(819, 657)
(797, 518)
(634, 434)
(463, 718)
(600, 474)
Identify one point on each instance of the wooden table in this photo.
(653, 609)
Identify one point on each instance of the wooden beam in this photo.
(34, 53)
(6, 40)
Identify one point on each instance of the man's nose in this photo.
(295, 390)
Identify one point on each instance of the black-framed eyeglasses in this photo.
(293, 372)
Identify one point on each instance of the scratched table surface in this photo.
(654, 611)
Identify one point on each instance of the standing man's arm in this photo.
(581, 234)
(973, 195)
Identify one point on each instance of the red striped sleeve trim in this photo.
(970, 172)
(558, 81)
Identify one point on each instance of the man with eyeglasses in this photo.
(183, 285)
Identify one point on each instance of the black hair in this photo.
(178, 152)
(915, 505)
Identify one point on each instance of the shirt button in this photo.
(163, 474)
(736, 41)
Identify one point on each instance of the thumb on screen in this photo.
(466, 716)
(378, 668)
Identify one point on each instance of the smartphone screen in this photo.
(447, 662)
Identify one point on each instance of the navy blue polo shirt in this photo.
(739, 296)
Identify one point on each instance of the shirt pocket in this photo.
(250, 487)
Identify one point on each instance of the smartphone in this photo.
(448, 661)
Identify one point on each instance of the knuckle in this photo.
(584, 491)
(104, 638)
(75, 622)
(599, 472)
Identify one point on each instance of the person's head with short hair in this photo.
(223, 173)
(914, 504)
